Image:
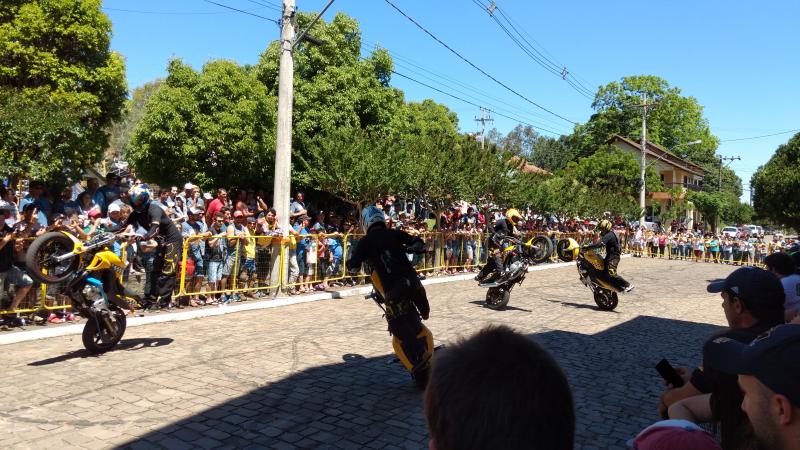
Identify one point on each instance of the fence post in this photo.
(182, 285)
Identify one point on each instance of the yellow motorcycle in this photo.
(415, 348)
(90, 273)
(591, 271)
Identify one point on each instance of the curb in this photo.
(66, 330)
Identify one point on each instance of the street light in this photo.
(642, 194)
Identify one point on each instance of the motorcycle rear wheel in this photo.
(45, 247)
(541, 249)
(606, 300)
(91, 334)
(497, 298)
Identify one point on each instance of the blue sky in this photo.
(739, 59)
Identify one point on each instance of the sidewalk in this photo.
(33, 332)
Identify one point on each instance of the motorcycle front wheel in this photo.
(497, 298)
(39, 258)
(92, 338)
(606, 300)
(541, 249)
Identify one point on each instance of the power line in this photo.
(762, 136)
(169, 13)
(265, 5)
(475, 66)
(536, 127)
(242, 11)
(481, 96)
(529, 49)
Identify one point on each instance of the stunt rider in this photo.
(153, 218)
(385, 251)
(495, 267)
(610, 240)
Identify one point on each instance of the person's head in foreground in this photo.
(498, 390)
(750, 296)
(673, 435)
(769, 375)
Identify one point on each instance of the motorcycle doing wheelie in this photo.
(415, 348)
(591, 272)
(517, 257)
(90, 275)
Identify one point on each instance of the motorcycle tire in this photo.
(606, 300)
(497, 298)
(91, 334)
(46, 246)
(541, 249)
(561, 251)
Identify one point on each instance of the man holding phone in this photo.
(8, 271)
(752, 300)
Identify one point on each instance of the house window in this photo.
(685, 180)
(662, 177)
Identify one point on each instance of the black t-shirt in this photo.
(385, 251)
(7, 252)
(156, 214)
(611, 241)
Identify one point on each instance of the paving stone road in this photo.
(318, 375)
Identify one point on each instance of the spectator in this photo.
(9, 273)
(92, 189)
(8, 204)
(783, 266)
(752, 300)
(65, 205)
(216, 205)
(768, 372)
(195, 231)
(301, 228)
(673, 435)
(247, 267)
(108, 193)
(36, 198)
(235, 234)
(85, 203)
(297, 208)
(217, 254)
(498, 390)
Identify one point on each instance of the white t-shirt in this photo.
(791, 286)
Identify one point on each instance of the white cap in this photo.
(207, 196)
(188, 186)
(114, 207)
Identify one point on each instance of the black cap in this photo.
(756, 287)
(773, 358)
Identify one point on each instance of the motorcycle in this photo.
(517, 257)
(91, 275)
(413, 353)
(591, 272)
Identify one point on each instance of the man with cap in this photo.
(752, 300)
(195, 230)
(768, 370)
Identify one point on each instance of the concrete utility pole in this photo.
(283, 145)
(483, 119)
(721, 159)
(642, 189)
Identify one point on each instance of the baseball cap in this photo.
(114, 207)
(672, 434)
(95, 213)
(238, 214)
(207, 196)
(773, 358)
(755, 287)
(193, 210)
(304, 217)
(188, 186)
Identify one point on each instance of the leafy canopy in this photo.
(776, 185)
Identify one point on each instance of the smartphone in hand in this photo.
(669, 374)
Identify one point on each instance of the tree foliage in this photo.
(215, 126)
(776, 185)
(56, 64)
(122, 130)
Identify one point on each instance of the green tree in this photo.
(122, 130)
(673, 120)
(214, 127)
(776, 185)
(54, 55)
(552, 154)
(614, 170)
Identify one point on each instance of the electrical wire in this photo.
(760, 137)
(265, 5)
(475, 94)
(475, 66)
(529, 49)
(242, 11)
(169, 13)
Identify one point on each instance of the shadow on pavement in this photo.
(591, 306)
(362, 400)
(482, 304)
(124, 345)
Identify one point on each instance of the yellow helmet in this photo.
(604, 226)
(513, 215)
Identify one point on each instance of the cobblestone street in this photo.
(319, 375)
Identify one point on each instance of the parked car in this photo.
(731, 232)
